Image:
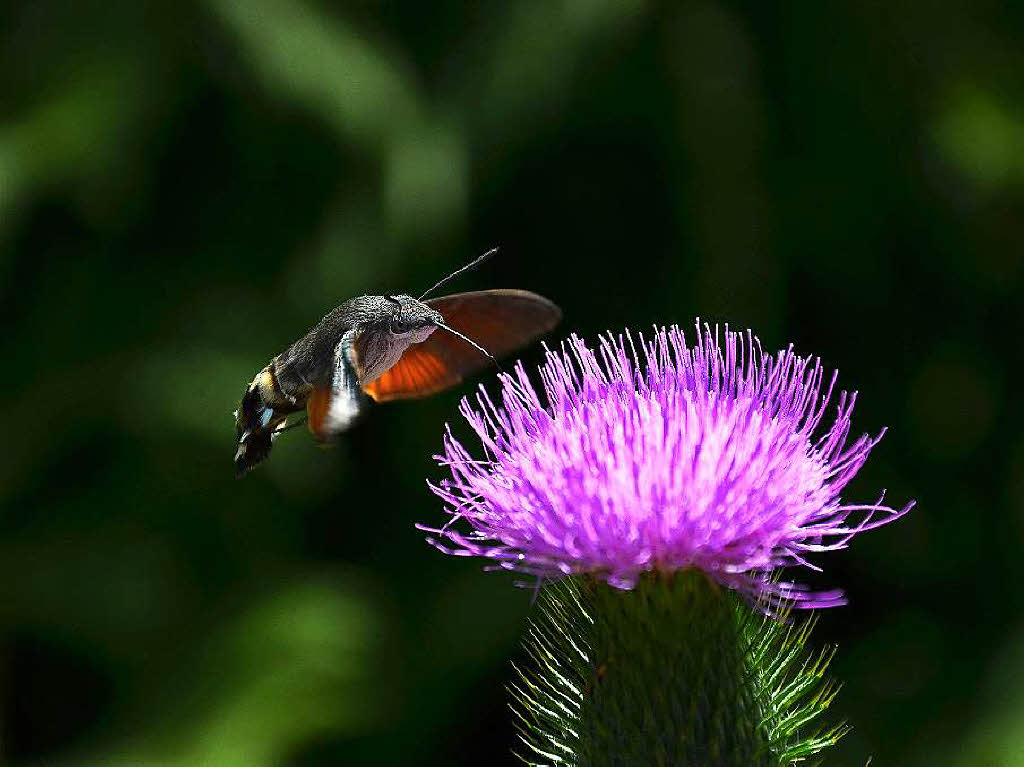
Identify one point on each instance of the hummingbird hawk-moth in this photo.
(383, 348)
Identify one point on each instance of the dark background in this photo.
(186, 188)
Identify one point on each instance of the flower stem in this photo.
(677, 671)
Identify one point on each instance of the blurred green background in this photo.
(186, 187)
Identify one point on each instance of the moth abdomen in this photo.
(252, 413)
(254, 450)
(260, 416)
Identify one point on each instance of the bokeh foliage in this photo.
(185, 187)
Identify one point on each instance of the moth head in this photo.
(406, 316)
(413, 321)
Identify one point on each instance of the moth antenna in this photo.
(471, 265)
(472, 343)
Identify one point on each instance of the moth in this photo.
(383, 348)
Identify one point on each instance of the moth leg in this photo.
(285, 426)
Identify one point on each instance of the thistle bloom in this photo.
(659, 456)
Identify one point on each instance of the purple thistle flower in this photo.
(659, 456)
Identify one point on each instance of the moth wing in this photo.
(499, 320)
(332, 409)
(424, 369)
